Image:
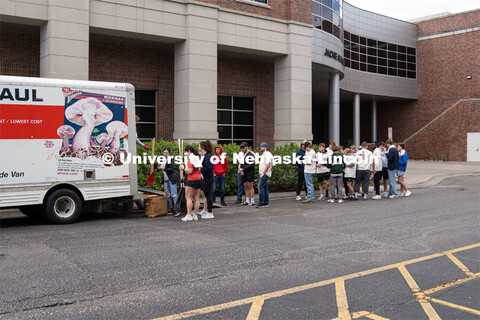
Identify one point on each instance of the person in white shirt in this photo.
(350, 171)
(377, 172)
(310, 161)
(265, 172)
(363, 170)
(323, 173)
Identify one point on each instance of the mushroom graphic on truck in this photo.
(93, 125)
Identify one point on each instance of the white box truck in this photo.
(61, 143)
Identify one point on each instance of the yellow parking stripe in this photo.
(255, 309)
(456, 306)
(459, 264)
(366, 314)
(342, 303)
(280, 293)
(451, 284)
(427, 307)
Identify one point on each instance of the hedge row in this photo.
(284, 176)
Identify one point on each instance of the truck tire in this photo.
(62, 206)
(31, 211)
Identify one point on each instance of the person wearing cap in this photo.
(265, 172)
(247, 169)
(301, 174)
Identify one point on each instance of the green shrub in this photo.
(284, 176)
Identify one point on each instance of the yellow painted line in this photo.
(459, 264)
(342, 303)
(456, 306)
(280, 293)
(475, 245)
(367, 314)
(256, 308)
(450, 284)
(427, 307)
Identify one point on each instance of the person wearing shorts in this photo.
(323, 173)
(350, 172)
(402, 167)
(193, 187)
(247, 169)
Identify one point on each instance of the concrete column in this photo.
(334, 108)
(293, 88)
(356, 119)
(195, 114)
(64, 40)
(374, 121)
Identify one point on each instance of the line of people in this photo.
(353, 170)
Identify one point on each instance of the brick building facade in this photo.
(305, 80)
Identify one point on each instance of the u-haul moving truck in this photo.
(61, 145)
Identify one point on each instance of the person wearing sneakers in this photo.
(363, 170)
(300, 172)
(247, 170)
(384, 176)
(323, 172)
(393, 164)
(205, 150)
(402, 167)
(309, 171)
(240, 188)
(350, 172)
(336, 163)
(170, 178)
(193, 187)
(265, 172)
(220, 169)
(377, 172)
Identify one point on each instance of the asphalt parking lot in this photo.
(407, 258)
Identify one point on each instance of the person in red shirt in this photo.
(219, 171)
(193, 187)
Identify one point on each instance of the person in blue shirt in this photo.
(300, 169)
(402, 167)
(393, 163)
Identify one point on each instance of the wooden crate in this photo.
(155, 206)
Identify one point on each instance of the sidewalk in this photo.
(419, 174)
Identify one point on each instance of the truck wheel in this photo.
(62, 206)
(31, 211)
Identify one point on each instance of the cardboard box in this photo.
(155, 206)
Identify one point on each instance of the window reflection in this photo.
(381, 57)
(327, 16)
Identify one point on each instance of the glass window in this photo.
(411, 59)
(392, 55)
(411, 67)
(401, 73)
(347, 63)
(355, 56)
(372, 51)
(336, 6)
(382, 70)
(235, 119)
(327, 3)
(392, 47)
(382, 53)
(412, 74)
(224, 102)
(402, 49)
(363, 58)
(372, 68)
(355, 65)
(372, 60)
(392, 72)
(381, 45)
(355, 38)
(145, 98)
(402, 57)
(363, 66)
(346, 35)
(402, 65)
(327, 26)
(411, 51)
(392, 63)
(372, 43)
(327, 13)
(346, 53)
(316, 8)
(382, 62)
(363, 41)
(363, 49)
(146, 109)
(336, 31)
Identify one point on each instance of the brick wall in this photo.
(451, 23)
(145, 68)
(296, 10)
(251, 79)
(19, 53)
(443, 65)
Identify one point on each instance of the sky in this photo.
(413, 9)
